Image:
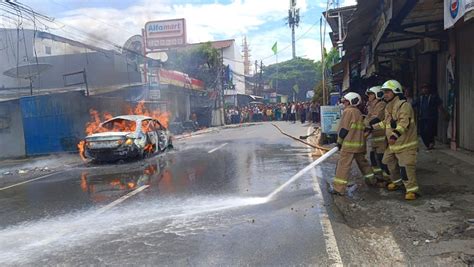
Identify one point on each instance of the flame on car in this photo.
(95, 123)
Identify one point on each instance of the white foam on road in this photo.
(30, 241)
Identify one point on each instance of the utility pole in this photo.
(255, 78)
(293, 21)
(323, 59)
(246, 51)
(260, 79)
(222, 100)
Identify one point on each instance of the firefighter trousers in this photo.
(343, 169)
(402, 168)
(377, 150)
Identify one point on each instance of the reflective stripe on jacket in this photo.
(352, 121)
(401, 113)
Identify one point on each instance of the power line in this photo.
(98, 20)
(297, 39)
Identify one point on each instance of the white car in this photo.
(129, 136)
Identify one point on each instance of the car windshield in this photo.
(120, 125)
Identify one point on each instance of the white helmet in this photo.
(353, 98)
(376, 90)
(394, 86)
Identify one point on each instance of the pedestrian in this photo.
(293, 112)
(277, 113)
(303, 113)
(428, 107)
(318, 112)
(314, 114)
(351, 143)
(377, 140)
(288, 112)
(269, 114)
(283, 112)
(401, 133)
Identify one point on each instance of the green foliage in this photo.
(201, 62)
(331, 58)
(299, 73)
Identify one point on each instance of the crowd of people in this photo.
(294, 111)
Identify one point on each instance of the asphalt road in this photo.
(200, 204)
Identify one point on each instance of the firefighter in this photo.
(378, 142)
(352, 145)
(400, 130)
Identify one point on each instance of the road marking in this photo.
(332, 248)
(122, 199)
(217, 148)
(31, 180)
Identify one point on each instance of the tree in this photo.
(330, 59)
(299, 73)
(201, 62)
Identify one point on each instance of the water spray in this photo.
(302, 172)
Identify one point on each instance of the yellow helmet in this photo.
(394, 86)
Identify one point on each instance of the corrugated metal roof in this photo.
(360, 25)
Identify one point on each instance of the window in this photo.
(47, 50)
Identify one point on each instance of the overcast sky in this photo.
(262, 21)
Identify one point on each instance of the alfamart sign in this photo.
(165, 33)
(454, 10)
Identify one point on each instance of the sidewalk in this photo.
(439, 226)
(18, 170)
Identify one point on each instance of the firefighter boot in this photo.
(410, 196)
(394, 187)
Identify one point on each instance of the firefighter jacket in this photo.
(376, 114)
(351, 131)
(399, 125)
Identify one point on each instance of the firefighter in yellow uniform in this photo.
(400, 130)
(352, 145)
(377, 140)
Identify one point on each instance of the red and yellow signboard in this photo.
(179, 79)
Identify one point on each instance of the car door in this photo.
(149, 128)
(162, 135)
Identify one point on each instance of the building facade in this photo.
(409, 40)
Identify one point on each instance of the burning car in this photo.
(124, 137)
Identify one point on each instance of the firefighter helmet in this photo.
(353, 98)
(376, 90)
(393, 86)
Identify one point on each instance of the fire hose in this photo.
(299, 140)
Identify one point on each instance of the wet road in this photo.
(200, 204)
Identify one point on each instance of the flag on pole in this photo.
(296, 88)
(274, 48)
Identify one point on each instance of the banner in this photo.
(179, 79)
(454, 10)
(330, 117)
